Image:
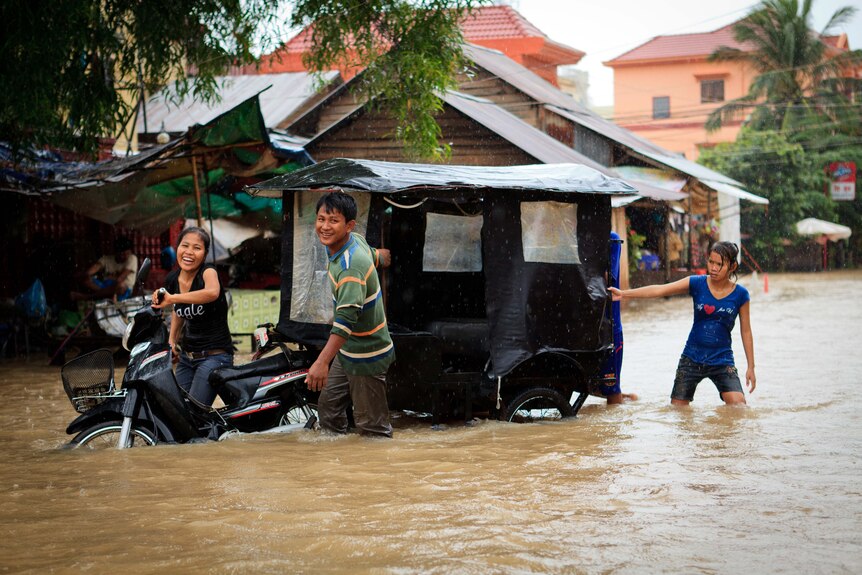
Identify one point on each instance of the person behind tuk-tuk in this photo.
(718, 300)
(353, 363)
(610, 387)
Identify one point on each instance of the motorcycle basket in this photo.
(89, 379)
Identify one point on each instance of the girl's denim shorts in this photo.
(690, 373)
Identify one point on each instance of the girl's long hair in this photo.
(729, 253)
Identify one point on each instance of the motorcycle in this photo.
(149, 407)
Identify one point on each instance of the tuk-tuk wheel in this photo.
(536, 404)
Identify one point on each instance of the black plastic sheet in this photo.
(413, 179)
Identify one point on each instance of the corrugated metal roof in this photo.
(735, 192)
(517, 75)
(558, 101)
(661, 184)
(693, 169)
(540, 145)
(518, 132)
(285, 94)
(564, 105)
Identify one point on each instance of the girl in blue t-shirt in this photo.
(718, 300)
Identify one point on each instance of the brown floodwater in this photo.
(640, 488)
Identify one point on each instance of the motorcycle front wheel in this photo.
(293, 414)
(106, 435)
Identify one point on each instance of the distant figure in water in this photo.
(610, 388)
(718, 299)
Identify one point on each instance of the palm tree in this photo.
(801, 83)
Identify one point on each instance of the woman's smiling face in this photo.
(191, 252)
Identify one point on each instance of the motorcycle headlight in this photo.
(129, 328)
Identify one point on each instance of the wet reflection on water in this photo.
(643, 487)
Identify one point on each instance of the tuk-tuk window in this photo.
(311, 296)
(549, 232)
(452, 243)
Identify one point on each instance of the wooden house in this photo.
(705, 196)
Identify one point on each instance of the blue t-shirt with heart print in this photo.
(709, 341)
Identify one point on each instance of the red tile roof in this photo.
(485, 23)
(680, 46)
(498, 22)
(838, 42)
(698, 45)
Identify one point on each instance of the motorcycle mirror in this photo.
(144, 273)
(127, 333)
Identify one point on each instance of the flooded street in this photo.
(639, 488)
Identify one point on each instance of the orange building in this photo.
(499, 27)
(665, 88)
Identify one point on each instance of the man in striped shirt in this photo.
(359, 348)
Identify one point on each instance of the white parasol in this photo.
(815, 227)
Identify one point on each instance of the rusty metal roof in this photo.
(540, 145)
(562, 104)
(555, 99)
(518, 132)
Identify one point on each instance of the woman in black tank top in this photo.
(200, 336)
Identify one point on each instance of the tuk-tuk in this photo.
(496, 296)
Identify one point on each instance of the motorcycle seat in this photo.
(237, 385)
(272, 364)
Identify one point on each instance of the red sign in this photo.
(843, 185)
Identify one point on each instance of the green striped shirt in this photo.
(359, 314)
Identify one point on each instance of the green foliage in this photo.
(800, 84)
(799, 117)
(66, 65)
(410, 52)
(73, 71)
(773, 167)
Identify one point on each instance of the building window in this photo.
(711, 91)
(661, 107)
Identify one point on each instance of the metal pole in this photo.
(690, 233)
(209, 208)
(197, 191)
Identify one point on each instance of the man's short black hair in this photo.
(338, 202)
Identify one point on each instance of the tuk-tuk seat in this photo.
(462, 336)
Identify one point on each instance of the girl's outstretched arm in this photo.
(679, 287)
(747, 345)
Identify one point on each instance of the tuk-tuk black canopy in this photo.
(531, 304)
(403, 178)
